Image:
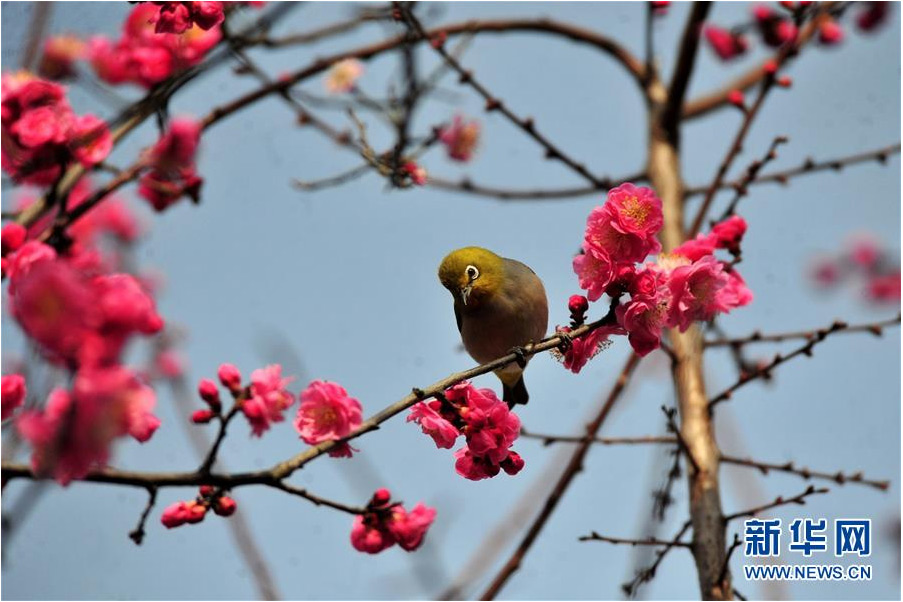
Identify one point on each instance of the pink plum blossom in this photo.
(13, 393)
(327, 413)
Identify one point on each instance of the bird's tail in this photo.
(516, 393)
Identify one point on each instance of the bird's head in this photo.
(471, 274)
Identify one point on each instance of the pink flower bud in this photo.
(513, 463)
(202, 416)
(784, 81)
(770, 67)
(830, 32)
(207, 490)
(735, 97)
(381, 497)
(12, 236)
(230, 377)
(209, 392)
(174, 515)
(194, 512)
(225, 506)
(578, 304)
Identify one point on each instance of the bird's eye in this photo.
(472, 272)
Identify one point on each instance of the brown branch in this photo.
(789, 467)
(494, 103)
(570, 472)
(875, 328)
(40, 17)
(550, 439)
(670, 413)
(283, 470)
(687, 368)
(765, 371)
(593, 536)
(752, 170)
(717, 99)
(210, 458)
(727, 558)
(768, 82)
(799, 499)
(137, 535)
(686, 59)
(809, 166)
(647, 574)
(467, 186)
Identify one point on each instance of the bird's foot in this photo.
(520, 356)
(567, 341)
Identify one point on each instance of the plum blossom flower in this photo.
(41, 133)
(327, 413)
(269, 398)
(72, 435)
(694, 292)
(144, 56)
(443, 432)
(343, 76)
(179, 17)
(460, 138)
(384, 524)
(173, 173)
(13, 393)
(582, 349)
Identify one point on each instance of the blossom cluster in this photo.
(173, 172)
(179, 17)
(779, 27)
(866, 263)
(145, 54)
(384, 523)
(684, 286)
(489, 428)
(262, 401)
(81, 313)
(42, 134)
(72, 435)
(193, 511)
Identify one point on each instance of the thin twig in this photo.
(875, 328)
(593, 536)
(742, 187)
(548, 439)
(789, 467)
(799, 499)
(647, 574)
(765, 371)
(137, 535)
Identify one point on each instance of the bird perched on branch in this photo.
(500, 306)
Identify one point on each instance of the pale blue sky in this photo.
(346, 276)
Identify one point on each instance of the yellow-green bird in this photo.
(500, 306)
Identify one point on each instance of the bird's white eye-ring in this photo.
(472, 272)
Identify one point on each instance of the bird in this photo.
(500, 306)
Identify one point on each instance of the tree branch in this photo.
(570, 472)
(789, 467)
(799, 499)
(765, 371)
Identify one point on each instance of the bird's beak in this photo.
(465, 293)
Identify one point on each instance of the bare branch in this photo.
(765, 371)
(593, 536)
(799, 499)
(789, 467)
(875, 328)
(137, 535)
